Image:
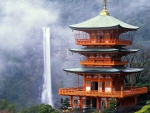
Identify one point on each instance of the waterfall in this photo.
(47, 88)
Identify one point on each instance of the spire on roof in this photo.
(104, 11)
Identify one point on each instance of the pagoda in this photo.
(104, 40)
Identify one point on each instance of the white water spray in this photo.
(47, 88)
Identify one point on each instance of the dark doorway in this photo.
(88, 103)
(93, 102)
(94, 86)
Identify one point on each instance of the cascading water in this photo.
(47, 88)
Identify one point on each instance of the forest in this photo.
(21, 43)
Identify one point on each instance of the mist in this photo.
(21, 47)
(20, 17)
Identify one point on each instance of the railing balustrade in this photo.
(79, 91)
(135, 91)
(102, 42)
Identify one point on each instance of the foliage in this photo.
(108, 110)
(5, 105)
(65, 103)
(146, 84)
(112, 103)
(39, 108)
(11, 108)
(112, 106)
(148, 102)
(47, 109)
(145, 109)
(141, 59)
(24, 110)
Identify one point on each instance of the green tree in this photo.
(3, 104)
(6, 106)
(65, 104)
(39, 108)
(11, 108)
(145, 109)
(112, 103)
(141, 59)
(24, 110)
(47, 109)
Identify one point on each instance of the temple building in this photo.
(104, 40)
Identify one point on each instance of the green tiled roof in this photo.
(103, 21)
(104, 70)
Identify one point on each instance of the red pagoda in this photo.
(104, 39)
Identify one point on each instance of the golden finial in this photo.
(104, 11)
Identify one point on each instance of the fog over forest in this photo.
(21, 46)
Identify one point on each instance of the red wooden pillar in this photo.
(103, 84)
(80, 102)
(97, 103)
(116, 99)
(71, 101)
(106, 102)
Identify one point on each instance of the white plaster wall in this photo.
(107, 89)
(88, 88)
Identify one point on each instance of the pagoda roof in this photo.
(101, 50)
(102, 22)
(104, 70)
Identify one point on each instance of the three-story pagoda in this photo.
(104, 39)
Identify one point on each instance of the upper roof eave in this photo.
(103, 22)
(102, 28)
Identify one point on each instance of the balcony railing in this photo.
(79, 92)
(86, 42)
(102, 63)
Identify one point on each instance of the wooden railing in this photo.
(135, 91)
(72, 89)
(102, 42)
(104, 63)
(79, 92)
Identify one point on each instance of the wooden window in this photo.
(107, 83)
(88, 82)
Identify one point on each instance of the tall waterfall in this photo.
(47, 88)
